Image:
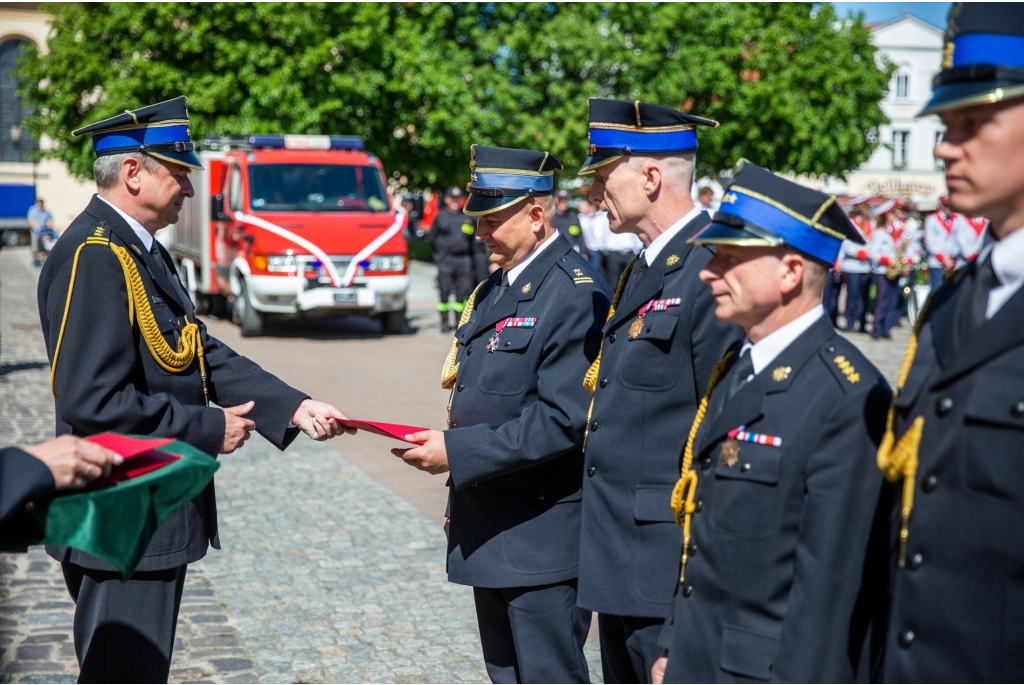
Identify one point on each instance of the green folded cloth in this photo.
(116, 523)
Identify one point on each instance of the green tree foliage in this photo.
(796, 89)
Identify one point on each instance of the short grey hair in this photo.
(677, 170)
(107, 169)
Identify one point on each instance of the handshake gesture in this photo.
(318, 420)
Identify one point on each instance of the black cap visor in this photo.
(970, 93)
(594, 161)
(742, 233)
(478, 205)
(186, 159)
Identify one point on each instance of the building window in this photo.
(902, 86)
(900, 141)
(940, 165)
(15, 141)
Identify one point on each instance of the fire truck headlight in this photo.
(281, 263)
(387, 263)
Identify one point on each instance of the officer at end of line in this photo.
(947, 560)
(778, 482)
(516, 420)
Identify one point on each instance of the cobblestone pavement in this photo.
(326, 574)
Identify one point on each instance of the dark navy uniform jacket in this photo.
(956, 610)
(779, 538)
(107, 379)
(647, 394)
(517, 419)
(23, 480)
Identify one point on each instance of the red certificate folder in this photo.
(141, 455)
(388, 430)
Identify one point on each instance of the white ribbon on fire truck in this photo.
(332, 273)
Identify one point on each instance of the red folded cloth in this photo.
(140, 456)
(388, 430)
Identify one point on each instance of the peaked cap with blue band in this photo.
(983, 60)
(762, 209)
(626, 127)
(160, 130)
(503, 176)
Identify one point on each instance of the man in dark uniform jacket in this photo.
(128, 355)
(952, 594)
(567, 222)
(659, 348)
(34, 473)
(779, 481)
(451, 236)
(517, 412)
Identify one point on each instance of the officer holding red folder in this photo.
(128, 355)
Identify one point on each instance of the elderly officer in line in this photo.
(516, 415)
(779, 484)
(660, 344)
(950, 562)
(127, 354)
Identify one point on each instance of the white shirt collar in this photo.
(145, 236)
(1008, 264)
(659, 243)
(764, 352)
(519, 268)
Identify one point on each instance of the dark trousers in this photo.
(629, 647)
(830, 297)
(455, 271)
(936, 276)
(533, 634)
(614, 264)
(857, 286)
(888, 305)
(124, 632)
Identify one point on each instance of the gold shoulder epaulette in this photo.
(847, 368)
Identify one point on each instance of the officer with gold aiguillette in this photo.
(128, 355)
(778, 482)
(948, 563)
(517, 411)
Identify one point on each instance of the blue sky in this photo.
(932, 12)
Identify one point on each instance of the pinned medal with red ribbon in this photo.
(511, 322)
(652, 306)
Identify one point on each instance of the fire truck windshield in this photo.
(316, 188)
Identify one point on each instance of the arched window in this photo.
(902, 85)
(15, 141)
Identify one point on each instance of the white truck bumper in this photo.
(289, 295)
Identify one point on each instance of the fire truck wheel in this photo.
(393, 322)
(246, 315)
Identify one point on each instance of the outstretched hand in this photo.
(431, 456)
(320, 420)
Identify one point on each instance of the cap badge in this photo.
(672, 260)
(729, 198)
(947, 55)
(847, 369)
(526, 288)
(781, 373)
(730, 452)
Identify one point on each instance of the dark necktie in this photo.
(973, 305)
(636, 274)
(501, 290)
(739, 374)
(161, 262)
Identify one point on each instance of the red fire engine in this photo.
(286, 226)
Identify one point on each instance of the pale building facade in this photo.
(65, 196)
(904, 164)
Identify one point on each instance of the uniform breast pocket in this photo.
(506, 369)
(746, 495)
(994, 437)
(648, 357)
